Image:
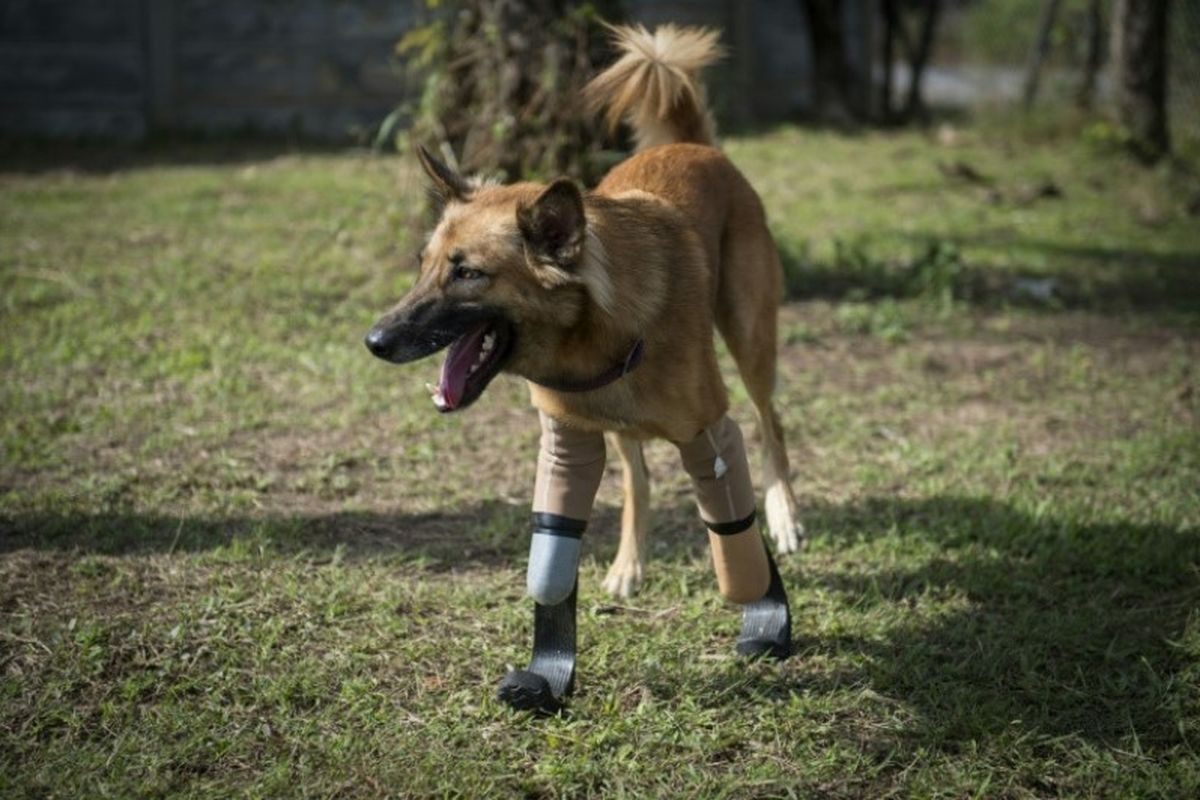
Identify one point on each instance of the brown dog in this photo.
(558, 284)
(606, 301)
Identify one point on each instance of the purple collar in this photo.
(615, 372)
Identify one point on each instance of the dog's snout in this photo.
(416, 330)
(380, 342)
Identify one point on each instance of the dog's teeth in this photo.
(479, 359)
(435, 394)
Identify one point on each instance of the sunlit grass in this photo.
(240, 557)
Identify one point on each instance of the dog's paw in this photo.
(623, 579)
(782, 520)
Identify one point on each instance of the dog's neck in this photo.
(599, 349)
(607, 341)
(632, 361)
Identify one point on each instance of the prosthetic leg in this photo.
(746, 573)
(570, 466)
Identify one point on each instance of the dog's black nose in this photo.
(379, 341)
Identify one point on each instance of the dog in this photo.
(606, 302)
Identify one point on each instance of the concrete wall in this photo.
(72, 67)
(124, 68)
(121, 68)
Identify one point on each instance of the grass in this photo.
(239, 557)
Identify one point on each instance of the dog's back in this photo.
(655, 88)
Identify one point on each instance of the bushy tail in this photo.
(654, 85)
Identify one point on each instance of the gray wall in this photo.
(123, 68)
(72, 67)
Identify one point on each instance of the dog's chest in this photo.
(610, 408)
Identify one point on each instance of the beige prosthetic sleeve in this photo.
(716, 462)
(570, 466)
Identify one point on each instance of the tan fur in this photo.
(676, 244)
(625, 575)
(654, 85)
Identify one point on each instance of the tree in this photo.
(501, 85)
(1139, 57)
(832, 92)
(1094, 60)
(1041, 48)
(895, 32)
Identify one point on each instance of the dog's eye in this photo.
(461, 273)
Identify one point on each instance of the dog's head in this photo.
(505, 272)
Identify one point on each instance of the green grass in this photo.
(239, 557)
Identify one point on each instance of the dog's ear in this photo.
(553, 226)
(446, 184)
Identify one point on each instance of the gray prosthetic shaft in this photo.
(553, 557)
(570, 466)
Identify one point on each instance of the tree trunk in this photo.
(831, 77)
(1095, 56)
(914, 104)
(1041, 48)
(1139, 54)
(891, 18)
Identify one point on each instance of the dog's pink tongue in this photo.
(457, 366)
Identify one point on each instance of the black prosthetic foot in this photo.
(544, 686)
(767, 623)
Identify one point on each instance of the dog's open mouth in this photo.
(472, 360)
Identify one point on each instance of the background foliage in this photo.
(501, 83)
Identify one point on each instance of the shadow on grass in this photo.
(1019, 624)
(1042, 625)
(1069, 627)
(491, 533)
(488, 534)
(1129, 278)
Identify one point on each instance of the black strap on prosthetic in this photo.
(767, 623)
(730, 528)
(544, 686)
(558, 525)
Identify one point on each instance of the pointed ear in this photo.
(553, 227)
(446, 184)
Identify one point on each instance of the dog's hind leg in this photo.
(625, 575)
(746, 313)
(782, 513)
